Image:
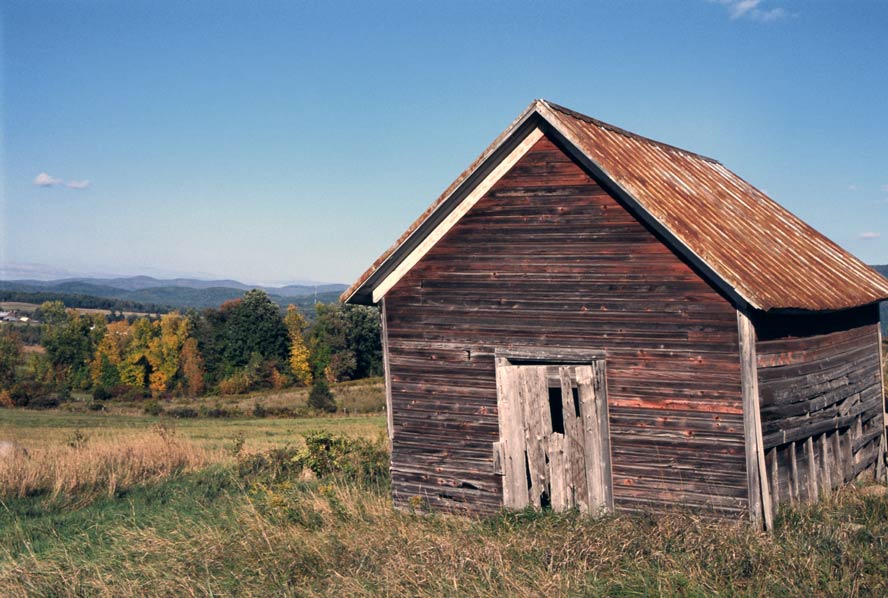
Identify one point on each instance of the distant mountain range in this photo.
(181, 293)
(177, 292)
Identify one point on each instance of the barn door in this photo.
(554, 443)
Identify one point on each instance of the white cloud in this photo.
(752, 10)
(852, 187)
(869, 235)
(44, 180)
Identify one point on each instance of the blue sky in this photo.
(273, 142)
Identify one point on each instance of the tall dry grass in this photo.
(85, 468)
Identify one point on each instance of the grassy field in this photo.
(130, 505)
(37, 430)
(31, 307)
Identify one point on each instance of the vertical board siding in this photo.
(548, 259)
(821, 399)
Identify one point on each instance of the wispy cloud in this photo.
(852, 187)
(869, 235)
(46, 180)
(752, 10)
(885, 187)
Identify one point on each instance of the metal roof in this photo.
(758, 252)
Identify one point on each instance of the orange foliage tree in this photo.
(192, 365)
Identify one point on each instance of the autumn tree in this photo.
(192, 366)
(299, 353)
(136, 368)
(110, 355)
(164, 351)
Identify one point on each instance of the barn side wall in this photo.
(821, 400)
(549, 259)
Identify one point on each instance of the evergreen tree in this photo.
(320, 397)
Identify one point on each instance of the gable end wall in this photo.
(548, 259)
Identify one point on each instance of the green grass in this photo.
(216, 532)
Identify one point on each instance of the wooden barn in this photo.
(591, 319)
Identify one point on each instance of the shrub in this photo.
(273, 465)
(31, 393)
(320, 397)
(95, 406)
(21, 393)
(354, 459)
(101, 394)
(218, 412)
(181, 412)
(134, 393)
(153, 408)
(259, 410)
(121, 390)
(237, 383)
(44, 402)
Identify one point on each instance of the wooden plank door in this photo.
(554, 443)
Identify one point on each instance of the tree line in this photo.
(246, 344)
(81, 301)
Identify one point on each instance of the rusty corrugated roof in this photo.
(766, 255)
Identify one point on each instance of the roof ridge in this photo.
(622, 131)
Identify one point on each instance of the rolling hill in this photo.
(179, 293)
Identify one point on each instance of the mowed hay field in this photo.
(131, 505)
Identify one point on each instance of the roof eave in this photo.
(543, 115)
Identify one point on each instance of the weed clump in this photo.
(353, 459)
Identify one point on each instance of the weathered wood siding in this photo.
(547, 258)
(821, 400)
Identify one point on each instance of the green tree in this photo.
(10, 357)
(70, 340)
(345, 342)
(208, 329)
(364, 339)
(254, 325)
(328, 341)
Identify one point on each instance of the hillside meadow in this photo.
(127, 504)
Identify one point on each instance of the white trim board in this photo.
(461, 210)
